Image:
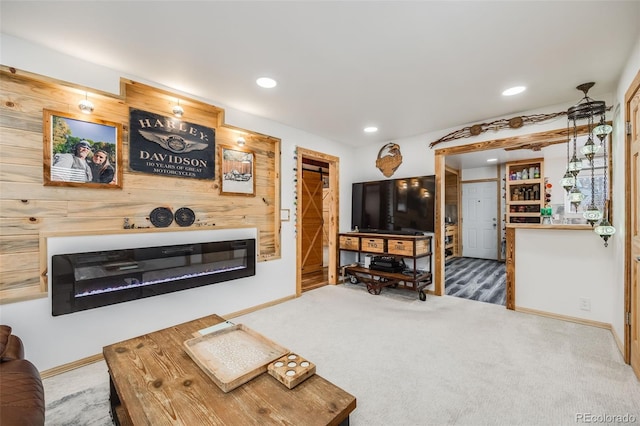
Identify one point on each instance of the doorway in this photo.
(632, 224)
(518, 144)
(475, 272)
(315, 186)
(317, 220)
(480, 215)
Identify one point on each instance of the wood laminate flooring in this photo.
(314, 280)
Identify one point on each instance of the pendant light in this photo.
(588, 109)
(575, 198)
(592, 214)
(573, 168)
(605, 230)
(568, 181)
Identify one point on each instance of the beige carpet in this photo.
(446, 361)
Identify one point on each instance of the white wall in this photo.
(417, 160)
(553, 274)
(479, 173)
(54, 341)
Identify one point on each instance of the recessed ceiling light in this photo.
(492, 160)
(266, 82)
(371, 129)
(514, 90)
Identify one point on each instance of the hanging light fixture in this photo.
(592, 213)
(605, 230)
(85, 105)
(590, 149)
(575, 164)
(575, 197)
(588, 109)
(602, 130)
(568, 181)
(573, 168)
(585, 109)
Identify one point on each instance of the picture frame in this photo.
(81, 151)
(169, 146)
(237, 171)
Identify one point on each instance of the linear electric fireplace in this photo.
(83, 281)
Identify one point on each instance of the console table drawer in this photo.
(402, 247)
(373, 245)
(405, 248)
(349, 243)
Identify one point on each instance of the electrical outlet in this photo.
(584, 303)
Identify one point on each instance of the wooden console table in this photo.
(155, 382)
(398, 245)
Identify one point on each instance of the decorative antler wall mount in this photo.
(513, 123)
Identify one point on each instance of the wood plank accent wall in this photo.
(30, 211)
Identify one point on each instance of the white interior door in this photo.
(479, 220)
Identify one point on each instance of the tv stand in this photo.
(404, 246)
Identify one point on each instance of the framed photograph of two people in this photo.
(81, 151)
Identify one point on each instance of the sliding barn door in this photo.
(311, 199)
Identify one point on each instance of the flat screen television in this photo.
(402, 206)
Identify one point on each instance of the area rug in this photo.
(78, 397)
(446, 361)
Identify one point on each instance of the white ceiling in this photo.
(408, 68)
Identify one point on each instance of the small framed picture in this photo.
(237, 171)
(81, 151)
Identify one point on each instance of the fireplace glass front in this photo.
(83, 281)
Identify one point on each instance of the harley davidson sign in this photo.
(168, 146)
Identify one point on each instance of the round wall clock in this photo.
(161, 217)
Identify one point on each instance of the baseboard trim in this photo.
(258, 307)
(70, 366)
(98, 357)
(619, 344)
(592, 323)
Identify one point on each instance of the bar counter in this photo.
(553, 270)
(572, 227)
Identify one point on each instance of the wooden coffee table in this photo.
(155, 382)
